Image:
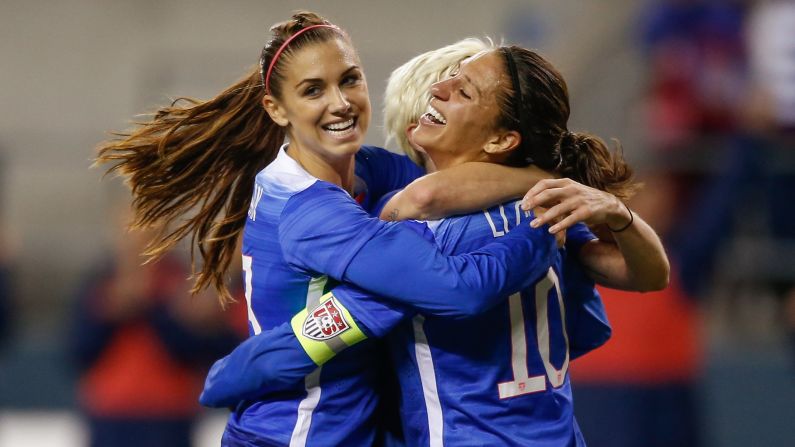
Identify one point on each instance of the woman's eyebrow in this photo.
(309, 81)
(320, 81)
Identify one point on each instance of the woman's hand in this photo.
(560, 236)
(634, 260)
(569, 202)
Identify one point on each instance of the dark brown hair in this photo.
(192, 165)
(537, 106)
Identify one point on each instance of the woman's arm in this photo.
(279, 358)
(383, 171)
(323, 230)
(461, 189)
(272, 360)
(635, 261)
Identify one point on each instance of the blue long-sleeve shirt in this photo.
(302, 236)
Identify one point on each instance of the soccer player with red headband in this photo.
(302, 232)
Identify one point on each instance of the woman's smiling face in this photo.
(324, 102)
(463, 111)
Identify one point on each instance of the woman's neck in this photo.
(338, 170)
(428, 163)
(441, 160)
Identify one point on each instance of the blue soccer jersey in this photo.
(302, 235)
(275, 359)
(500, 378)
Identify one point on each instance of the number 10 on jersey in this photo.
(522, 382)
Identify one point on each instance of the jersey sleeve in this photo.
(586, 320)
(586, 316)
(577, 236)
(384, 171)
(331, 234)
(272, 360)
(278, 359)
(321, 229)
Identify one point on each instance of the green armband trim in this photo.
(326, 330)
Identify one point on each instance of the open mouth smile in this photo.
(341, 129)
(434, 116)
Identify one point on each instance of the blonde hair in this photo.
(546, 142)
(407, 90)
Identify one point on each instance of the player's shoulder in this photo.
(284, 177)
(467, 232)
(320, 202)
(500, 219)
(374, 157)
(368, 152)
(511, 209)
(315, 208)
(577, 236)
(284, 187)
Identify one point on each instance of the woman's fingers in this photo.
(569, 202)
(551, 197)
(555, 213)
(566, 223)
(532, 198)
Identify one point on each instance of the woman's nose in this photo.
(339, 102)
(441, 90)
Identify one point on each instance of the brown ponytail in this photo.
(192, 165)
(537, 106)
(586, 159)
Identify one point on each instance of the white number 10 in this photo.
(522, 383)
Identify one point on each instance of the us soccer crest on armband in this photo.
(325, 321)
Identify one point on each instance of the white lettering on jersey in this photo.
(517, 212)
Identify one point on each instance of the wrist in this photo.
(622, 219)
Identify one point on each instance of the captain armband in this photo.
(326, 329)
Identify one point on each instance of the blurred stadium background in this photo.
(701, 94)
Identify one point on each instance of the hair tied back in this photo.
(266, 76)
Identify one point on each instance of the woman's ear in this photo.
(275, 110)
(503, 142)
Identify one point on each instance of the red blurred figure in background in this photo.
(143, 345)
(639, 388)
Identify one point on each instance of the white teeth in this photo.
(435, 113)
(340, 126)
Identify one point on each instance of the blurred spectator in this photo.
(639, 389)
(697, 69)
(5, 304)
(771, 45)
(698, 85)
(723, 89)
(771, 111)
(143, 345)
(6, 259)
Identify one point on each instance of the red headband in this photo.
(266, 80)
